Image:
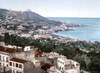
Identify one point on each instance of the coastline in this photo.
(67, 38)
(65, 27)
(87, 32)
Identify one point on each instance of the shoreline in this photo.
(69, 38)
(67, 26)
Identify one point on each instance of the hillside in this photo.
(25, 17)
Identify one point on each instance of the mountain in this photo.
(25, 17)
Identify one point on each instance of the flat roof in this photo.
(18, 60)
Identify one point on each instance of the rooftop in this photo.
(9, 50)
(32, 47)
(46, 66)
(18, 60)
(39, 53)
(53, 55)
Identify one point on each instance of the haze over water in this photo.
(92, 32)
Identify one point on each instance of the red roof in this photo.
(42, 63)
(32, 47)
(18, 60)
(9, 50)
(38, 53)
(46, 66)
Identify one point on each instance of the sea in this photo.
(89, 33)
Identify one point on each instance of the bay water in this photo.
(89, 33)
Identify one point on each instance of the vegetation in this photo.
(1, 38)
(86, 53)
(16, 40)
(26, 17)
(2, 14)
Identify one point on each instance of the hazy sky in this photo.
(56, 8)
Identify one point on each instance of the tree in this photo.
(1, 39)
(95, 65)
(6, 38)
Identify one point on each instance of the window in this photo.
(16, 65)
(10, 63)
(20, 66)
(16, 71)
(3, 58)
(13, 64)
(0, 57)
(77, 64)
(3, 64)
(13, 71)
(7, 65)
(6, 59)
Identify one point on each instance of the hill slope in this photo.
(26, 16)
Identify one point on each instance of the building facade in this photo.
(19, 61)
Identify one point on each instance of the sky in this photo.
(55, 8)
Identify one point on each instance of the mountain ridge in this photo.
(26, 16)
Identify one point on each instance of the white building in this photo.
(17, 65)
(4, 60)
(38, 36)
(28, 48)
(53, 70)
(18, 61)
(62, 64)
(28, 61)
(68, 66)
(5, 55)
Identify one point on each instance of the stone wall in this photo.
(27, 55)
(42, 59)
(30, 68)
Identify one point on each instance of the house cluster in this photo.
(33, 60)
(18, 61)
(61, 64)
(29, 31)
